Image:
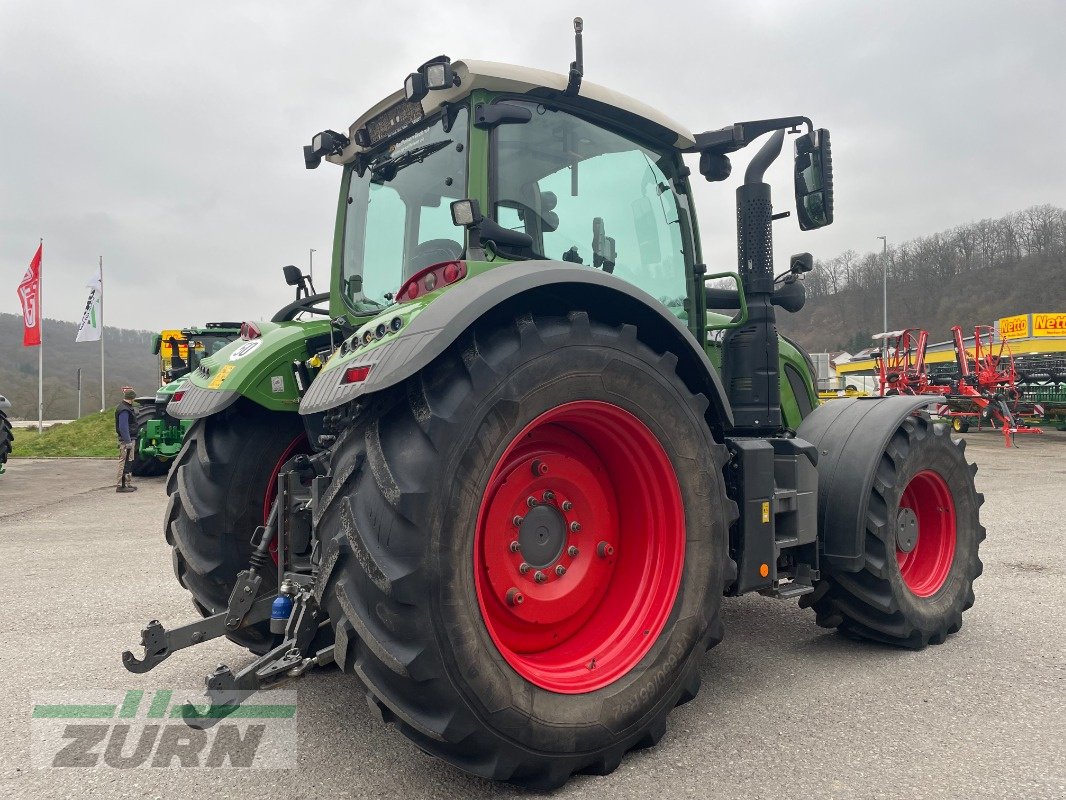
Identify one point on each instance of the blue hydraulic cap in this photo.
(281, 608)
(280, 611)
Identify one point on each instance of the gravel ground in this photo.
(786, 708)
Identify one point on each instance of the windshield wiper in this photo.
(387, 168)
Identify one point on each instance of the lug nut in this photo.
(572, 551)
(516, 521)
(515, 546)
(524, 568)
(567, 505)
(575, 526)
(549, 496)
(515, 597)
(539, 576)
(560, 570)
(531, 501)
(604, 550)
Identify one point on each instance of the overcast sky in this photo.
(166, 136)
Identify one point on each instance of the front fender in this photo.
(259, 369)
(850, 436)
(442, 321)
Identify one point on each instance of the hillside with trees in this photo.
(129, 362)
(969, 275)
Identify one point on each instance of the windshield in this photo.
(399, 218)
(590, 196)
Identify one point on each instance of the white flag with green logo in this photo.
(91, 318)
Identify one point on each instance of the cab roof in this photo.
(496, 77)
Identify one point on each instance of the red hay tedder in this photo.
(983, 388)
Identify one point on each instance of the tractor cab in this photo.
(492, 163)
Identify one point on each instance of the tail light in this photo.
(177, 396)
(430, 279)
(249, 331)
(356, 374)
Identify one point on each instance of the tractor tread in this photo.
(380, 591)
(873, 603)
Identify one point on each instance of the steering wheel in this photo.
(432, 251)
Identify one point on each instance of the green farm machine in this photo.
(507, 476)
(180, 351)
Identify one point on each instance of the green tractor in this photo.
(180, 351)
(7, 435)
(507, 481)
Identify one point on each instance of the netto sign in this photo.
(1016, 327)
(1049, 324)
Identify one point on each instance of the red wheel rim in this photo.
(298, 445)
(596, 473)
(926, 566)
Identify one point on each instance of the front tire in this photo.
(7, 438)
(921, 546)
(220, 489)
(145, 466)
(530, 674)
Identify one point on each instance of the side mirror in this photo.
(293, 276)
(814, 180)
(156, 341)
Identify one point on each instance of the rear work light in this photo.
(356, 374)
(430, 279)
(249, 331)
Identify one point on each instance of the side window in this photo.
(384, 216)
(591, 196)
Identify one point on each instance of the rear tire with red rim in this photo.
(530, 549)
(921, 547)
(220, 489)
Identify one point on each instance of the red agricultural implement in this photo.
(983, 388)
(902, 370)
(986, 387)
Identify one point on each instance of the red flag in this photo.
(30, 297)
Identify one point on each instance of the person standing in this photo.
(124, 427)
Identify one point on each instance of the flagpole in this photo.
(103, 386)
(40, 347)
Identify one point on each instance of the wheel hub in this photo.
(906, 530)
(578, 560)
(542, 536)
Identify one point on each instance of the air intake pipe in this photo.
(750, 352)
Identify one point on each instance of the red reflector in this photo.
(356, 374)
(249, 331)
(179, 394)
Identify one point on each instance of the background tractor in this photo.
(7, 435)
(528, 462)
(180, 351)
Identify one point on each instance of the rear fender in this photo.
(530, 286)
(850, 436)
(259, 369)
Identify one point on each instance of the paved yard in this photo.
(786, 708)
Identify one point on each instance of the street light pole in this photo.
(884, 298)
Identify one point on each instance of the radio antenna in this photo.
(577, 66)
